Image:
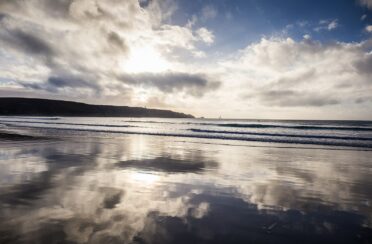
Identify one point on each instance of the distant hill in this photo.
(46, 107)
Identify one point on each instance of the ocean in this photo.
(150, 180)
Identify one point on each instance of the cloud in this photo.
(131, 51)
(367, 3)
(363, 17)
(369, 28)
(363, 65)
(327, 25)
(332, 25)
(92, 42)
(205, 35)
(24, 42)
(209, 12)
(117, 41)
(57, 83)
(194, 84)
(144, 3)
(69, 82)
(287, 73)
(289, 98)
(2, 16)
(307, 37)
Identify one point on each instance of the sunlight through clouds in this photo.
(190, 59)
(144, 59)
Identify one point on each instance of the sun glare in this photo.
(144, 178)
(145, 59)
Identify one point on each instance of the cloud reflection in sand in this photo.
(99, 191)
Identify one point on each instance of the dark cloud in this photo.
(70, 82)
(364, 65)
(2, 16)
(289, 98)
(31, 43)
(144, 3)
(54, 83)
(26, 42)
(363, 100)
(193, 84)
(115, 40)
(295, 79)
(29, 40)
(58, 8)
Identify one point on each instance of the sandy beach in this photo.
(110, 188)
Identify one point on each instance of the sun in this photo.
(145, 59)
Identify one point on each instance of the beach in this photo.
(185, 122)
(67, 180)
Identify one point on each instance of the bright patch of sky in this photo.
(294, 59)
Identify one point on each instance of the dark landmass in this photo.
(46, 107)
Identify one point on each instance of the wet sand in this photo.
(96, 188)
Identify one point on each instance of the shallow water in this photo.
(330, 133)
(61, 186)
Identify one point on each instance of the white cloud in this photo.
(363, 17)
(307, 37)
(332, 25)
(301, 75)
(191, 22)
(205, 35)
(369, 28)
(327, 25)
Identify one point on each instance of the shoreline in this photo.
(207, 137)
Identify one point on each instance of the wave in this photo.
(365, 126)
(298, 127)
(8, 122)
(305, 141)
(283, 135)
(260, 126)
(31, 118)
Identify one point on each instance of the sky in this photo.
(252, 59)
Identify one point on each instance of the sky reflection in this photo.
(141, 189)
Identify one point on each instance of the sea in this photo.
(323, 133)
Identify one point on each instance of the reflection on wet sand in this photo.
(143, 189)
(166, 164)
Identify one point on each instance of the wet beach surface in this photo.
(104, 188)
